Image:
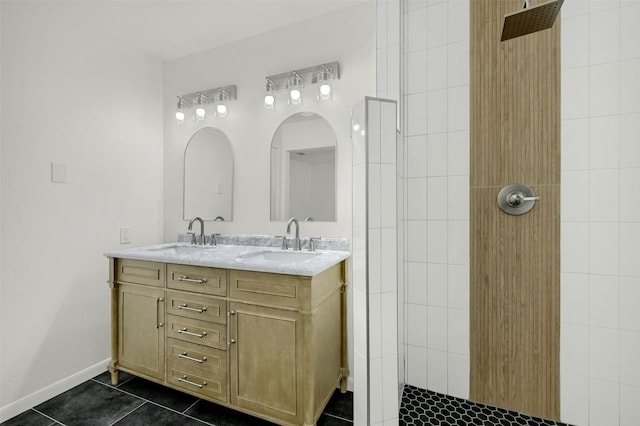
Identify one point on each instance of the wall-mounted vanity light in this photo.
(295, 81)
(180, 110)
(219, 97)
(199, 105)
(294, 86)
(270, 89)
(324, 86)
(222, 108)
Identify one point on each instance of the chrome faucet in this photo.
(296, 240)
(201, 239)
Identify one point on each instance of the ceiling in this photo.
(170, 29)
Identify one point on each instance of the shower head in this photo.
(530, 19)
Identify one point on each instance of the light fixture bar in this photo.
(308, 75)
(213, 95)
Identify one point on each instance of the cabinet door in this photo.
(266, 360)
(141, 333)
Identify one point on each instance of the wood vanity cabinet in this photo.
(271, 345)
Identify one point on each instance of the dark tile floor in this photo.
(138, 402)
(423, 407)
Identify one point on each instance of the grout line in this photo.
(157, 405)
(111, 385)
(337, 417)
(143, 403)
(191, 406)
(49, 417)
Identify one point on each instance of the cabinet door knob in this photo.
(233, 340)
(232, 312)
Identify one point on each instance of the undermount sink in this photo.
(181, 249)
(279, 256)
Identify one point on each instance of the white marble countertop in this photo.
(248, 258)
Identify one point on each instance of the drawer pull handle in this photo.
(192, 280)
(187, 308)
(183, 379)
(185, 331)
(184, 355)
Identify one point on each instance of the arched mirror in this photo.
(303, 169)
(208, 176)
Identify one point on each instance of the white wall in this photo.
(70, 96)
(436, 168)
(600, 214)
(347, 36)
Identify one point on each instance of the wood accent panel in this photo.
(515, 100)
(515, 304)
(515, 260)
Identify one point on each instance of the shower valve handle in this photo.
(516, 199)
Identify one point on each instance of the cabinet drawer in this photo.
(197, 331)
(140, 272)
(272, 289)
(196, 359)
(212, 386)
(197, 306)
(197, 278)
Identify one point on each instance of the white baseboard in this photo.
(30, 401)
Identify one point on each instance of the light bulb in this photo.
(269, 100)
(200, 113)
(325, 90)
(270, 87)
(180, 111)
(295, 97)
(221, 110)
(293, 84)
(324, 87)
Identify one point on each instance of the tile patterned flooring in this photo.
(138, 402)
(424, 407)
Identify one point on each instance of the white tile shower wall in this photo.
(388, 49)
(435, 90)
(359, 265)
(600, 283)
(388, 86)
(382, 262)
(375, 262)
